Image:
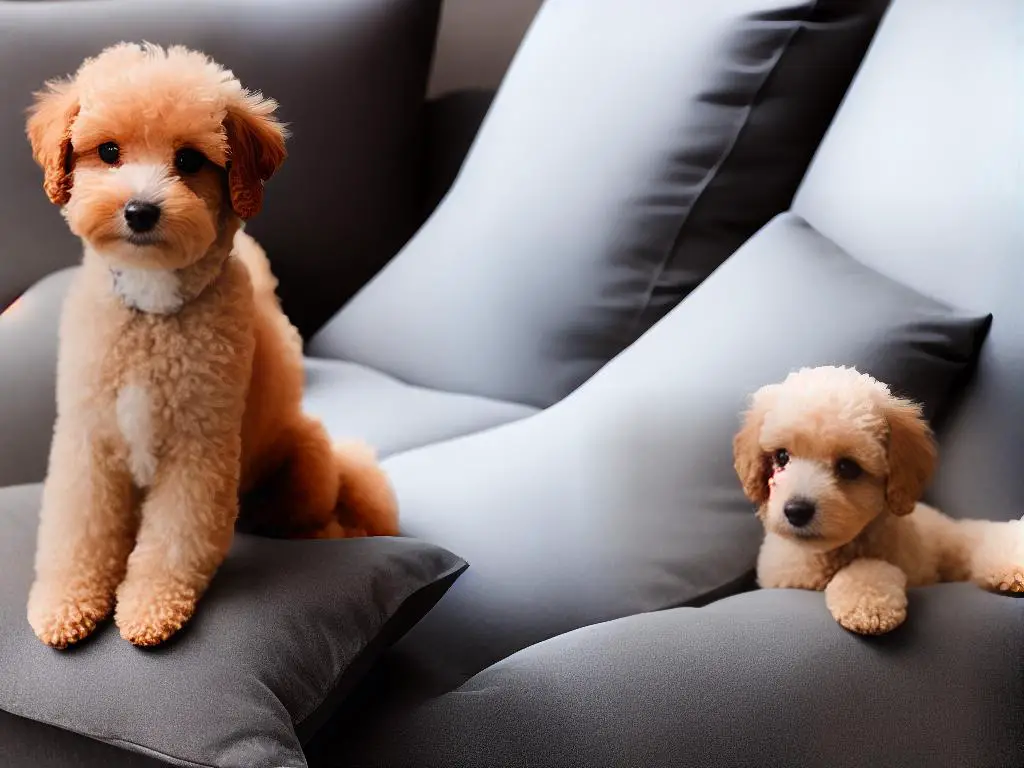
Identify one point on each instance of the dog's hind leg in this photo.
(996, 554)
(315, 489)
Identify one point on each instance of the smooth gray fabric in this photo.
(622, 498)
(285, 627)
(762, 680)
(631, 148)
(922, 177)
(357, 402)
(350, 76)
(28, 375)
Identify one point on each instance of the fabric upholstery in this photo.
(357, 402)
(622, 498)
(630, 149)
(922, 177)
(286, 630)
(346, 199)
(762, 679)
(28, 375)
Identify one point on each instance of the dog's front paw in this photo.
(64, 614)
(869, 618)
(150, 614)
(868, 597)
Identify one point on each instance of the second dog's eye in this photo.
(848, 469)
(188, 160)
(781, 457)
(109, 152)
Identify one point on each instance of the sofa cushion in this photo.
(357, 402)
(762, 679)
(622, 498)
(631, 148)
(922, 178)
(285, 631)
(350, 77)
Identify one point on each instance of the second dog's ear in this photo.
(255, 150)
(49, 132)
(912, 455)
(752, 464)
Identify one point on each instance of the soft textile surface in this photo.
(286, 630)
(631, 148)
(922, 178)
(622, 498)
(762, 679)
(358, 402)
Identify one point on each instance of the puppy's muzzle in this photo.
(799, 512)
(140, 216)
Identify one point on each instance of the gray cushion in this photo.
(28, 376)
(631, 148)
(285, 631)
(922, 177)
(622, 498)
(762, 680)
(350, 76)
(355, 401)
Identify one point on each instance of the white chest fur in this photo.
(149, 290)
(135, 421)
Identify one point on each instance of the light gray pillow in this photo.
(622, 498)
(285, 632)
(631, 148)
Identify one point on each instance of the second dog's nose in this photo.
(141, 217)
(799, 512)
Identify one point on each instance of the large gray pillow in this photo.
(761, 680)
(622, 498)
(285, 632)
(631, 148)
(350, 76)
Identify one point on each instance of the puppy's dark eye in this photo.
(848, 469)
(109, 152)
(188, 160)
(781, 457)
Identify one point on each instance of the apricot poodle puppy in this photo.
(836, 465)
(179, 378)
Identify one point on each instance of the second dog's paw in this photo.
(62, 616)
(150, 616)
(871, 619)
(867, 609)
(1008, 579)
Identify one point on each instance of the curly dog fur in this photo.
(836, 465)
(179, 377)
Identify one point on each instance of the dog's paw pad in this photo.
(871, 622)
(60, 623)
(1003, 580)
(151, 620)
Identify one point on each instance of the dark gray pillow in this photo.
(350, 76)
(622, 498)
(286, 630)
(762, 680)
(631, 148)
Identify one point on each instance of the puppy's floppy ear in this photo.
(753, 465)
(49, 132)
(912, 455)
(255, 150)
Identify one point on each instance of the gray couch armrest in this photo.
(761, 679)
(28, 372)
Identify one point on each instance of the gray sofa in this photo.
(546, 306)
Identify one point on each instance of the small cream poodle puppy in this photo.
(836, 465)
(179, 378)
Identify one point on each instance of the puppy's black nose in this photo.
(799, 512)
(141, 217)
